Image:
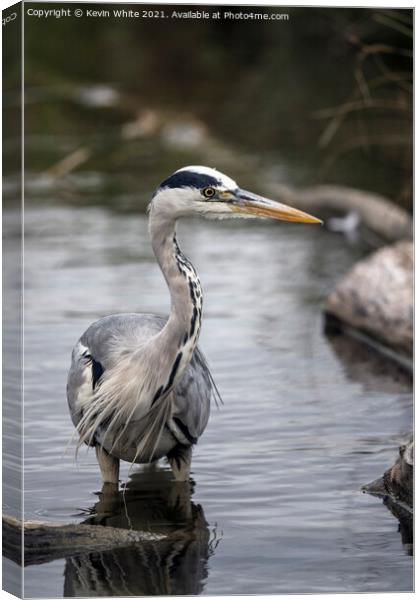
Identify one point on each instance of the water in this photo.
(275, 503)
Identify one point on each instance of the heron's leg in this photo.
(109, 465)
(179, 498)
(180, 461)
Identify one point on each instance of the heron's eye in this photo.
(208, 192)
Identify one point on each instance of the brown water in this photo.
(275, 503)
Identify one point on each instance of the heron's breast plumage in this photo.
(101, 348)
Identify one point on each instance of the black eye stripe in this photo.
(188, 179)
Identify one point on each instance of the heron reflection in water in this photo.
(175, 564)
(139, 388)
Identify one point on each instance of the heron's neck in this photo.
(183, 327)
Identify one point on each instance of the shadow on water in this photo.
(374, 370)
(362, 365)
(401, 511)
(405, 523)
(176, 565)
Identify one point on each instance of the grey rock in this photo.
(376, 297)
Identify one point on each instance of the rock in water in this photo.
(396, 488)
(376, 297)
(397, 482)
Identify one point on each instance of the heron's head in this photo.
(202, 190)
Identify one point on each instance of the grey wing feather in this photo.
(193, 395)
(109, 338)
(128, 330)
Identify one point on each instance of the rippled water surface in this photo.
(275, 503)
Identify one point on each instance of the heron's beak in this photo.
(252, 204)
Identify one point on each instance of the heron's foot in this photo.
(180, 460)
(109, 465)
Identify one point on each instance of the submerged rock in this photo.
(397, 481)
(396, 488)
(376, 297)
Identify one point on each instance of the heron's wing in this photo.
(193, 397)
(99, 349)
(112, 338)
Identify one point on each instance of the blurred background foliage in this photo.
(323, 97)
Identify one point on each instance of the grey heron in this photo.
(139, 388)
